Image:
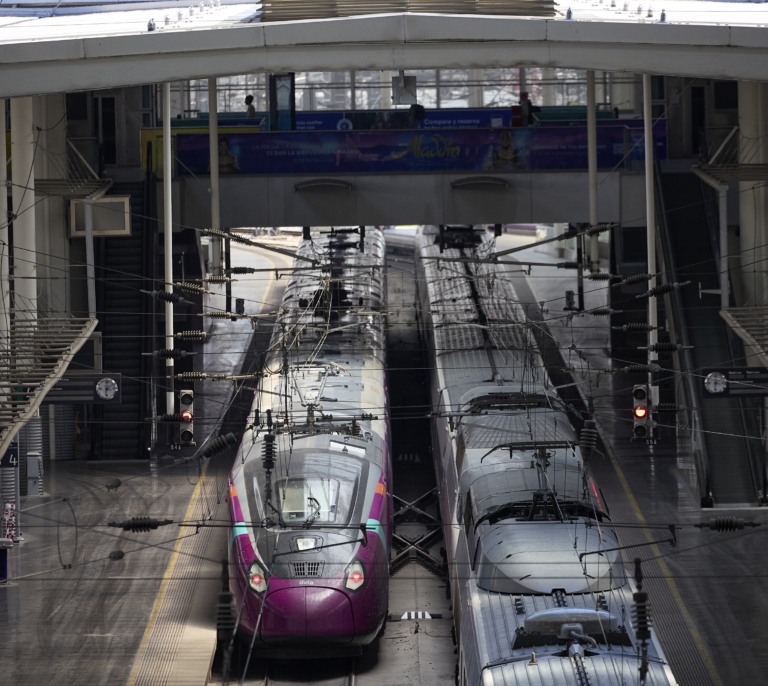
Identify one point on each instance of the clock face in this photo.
(715, 382)
(106, 388)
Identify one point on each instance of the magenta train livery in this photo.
(310, 490)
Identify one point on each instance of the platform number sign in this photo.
(11, 457)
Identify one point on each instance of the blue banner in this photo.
(434, 150)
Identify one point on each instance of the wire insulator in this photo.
(355, 428)
(665, 407)
(588, 438)
(189, 287)
(241, 270)
(219, 314)
(268, 451)
(140, 524)
(170, 353)
(637, 326)
(218, 445)
(602, 311)
(192, 336)
(567, 265)
(175, 298)
(192, 376)
(177, 417)
(661, 290)
(640, 368)
(665, 347)
(641, 616)
(599, 228)
(726, 524)
(600, 276)
(635, 278)
(216, 278)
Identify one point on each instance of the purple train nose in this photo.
(307, 615)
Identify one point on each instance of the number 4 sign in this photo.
(11, 457)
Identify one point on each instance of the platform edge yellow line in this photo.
(164, 586)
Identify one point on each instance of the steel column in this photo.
(168, 239)
(213, 145)
(722, 206)
(23, 146)
(90, 270)
(650, 212)
(594, 255)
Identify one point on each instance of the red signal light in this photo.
(186, 416)
(641, 412)
(356, 577)
(257, 579)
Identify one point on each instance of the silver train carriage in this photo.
(310, 490)
(538, 595)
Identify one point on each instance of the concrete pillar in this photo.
(548, 88)
(5, 294)
(23, 144)
(752, 222)
(385, 92)
(476, 77)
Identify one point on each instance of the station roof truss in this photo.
(34, 355)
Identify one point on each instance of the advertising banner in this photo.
(349, 152)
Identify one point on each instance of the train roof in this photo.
(499, 619)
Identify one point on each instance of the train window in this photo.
(460, 450)
(468, 517)
(318, 488)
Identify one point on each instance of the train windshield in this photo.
(308, 489)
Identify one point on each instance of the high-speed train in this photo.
(539, 592)
(310, 493)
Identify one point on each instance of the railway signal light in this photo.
(187, 417)
(642, 425)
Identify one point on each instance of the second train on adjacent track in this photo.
(540, 595)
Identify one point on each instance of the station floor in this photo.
(708, 593)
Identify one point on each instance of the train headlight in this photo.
(257, 578)
(355, 576)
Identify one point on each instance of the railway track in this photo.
(315, 672)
